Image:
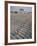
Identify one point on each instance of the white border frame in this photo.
(23, 40)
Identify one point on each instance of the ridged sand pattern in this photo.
(21, 26)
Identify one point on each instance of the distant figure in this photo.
(15, 12)
(21, 10)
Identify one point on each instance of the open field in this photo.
(21, 26)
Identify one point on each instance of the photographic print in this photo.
(20, 22)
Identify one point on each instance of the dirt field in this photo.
(21, 26)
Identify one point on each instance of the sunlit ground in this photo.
(21, 26)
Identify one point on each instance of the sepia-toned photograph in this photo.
(20, 22)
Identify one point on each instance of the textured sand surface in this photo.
(21, 26)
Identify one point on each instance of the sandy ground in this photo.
(21, 26)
